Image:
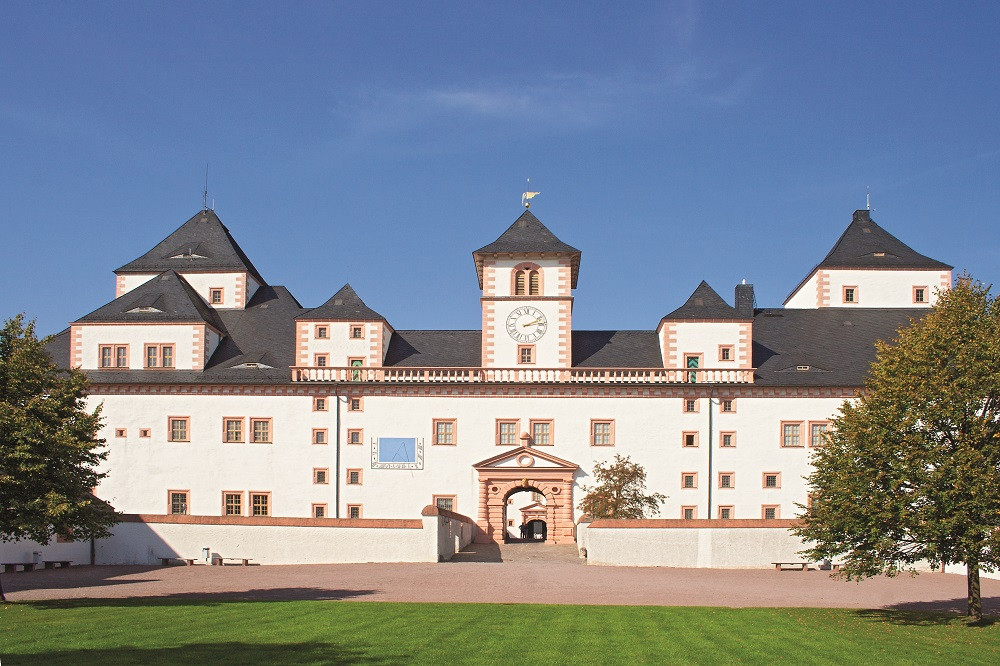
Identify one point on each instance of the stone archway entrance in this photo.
(526, 467)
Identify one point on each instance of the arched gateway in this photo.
(526, 467)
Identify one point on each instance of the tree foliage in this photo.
(49, 448)
(620, 491)
(911, 470)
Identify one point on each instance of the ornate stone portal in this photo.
(526, 468)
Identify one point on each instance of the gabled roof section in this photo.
(704, 303)
(345, 305)
(166, 298)
(527, 236)
(865, 244)
(202, 243)
(549, 461)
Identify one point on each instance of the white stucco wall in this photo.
(550, 270)
(91, 337)
(704, 338)
(721, 548)
(23, 551)
(887, 288)
(546, 347)
(340, 346)
(204, 282)
(805, 296)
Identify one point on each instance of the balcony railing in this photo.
(365, 375)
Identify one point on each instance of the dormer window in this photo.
(215, 295)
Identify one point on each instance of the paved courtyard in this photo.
(514, 573)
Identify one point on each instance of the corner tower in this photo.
(527, 277)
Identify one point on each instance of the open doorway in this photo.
(525, 516)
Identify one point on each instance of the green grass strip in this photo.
(172, 631)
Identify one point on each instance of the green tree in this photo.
(49, 448)
(620, 491)
(911, 470)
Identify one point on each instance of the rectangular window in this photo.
(727, 479)
(167, 356)
(525, 354)
(321, 360)
(818, 431)
(920, 294)
(727, 406)
(354, 477)
(770, 512)
(725, 352)
(319, 436)
(791, 434)
(689, 479)
(355, 405)
(355, 436)
(689, 512)
(232, 429)
(260, 504)
(353, 510)
(692, 361)
(114, 356)
(106, 354)
(772, 480)
(690, 405)
(178, 502)
(121, 356)
(689, 439)
(179, 428)
(725, 512)
(446, 502)
(541, 432)
(319, 510)
(159, 356)
(215, 295)
(727, 440)
(357, 331)
(602, 432)
(322, 332)
(319, 405)
(261, 431)
(143, 432)
(444, 432)
(121, 432)
(152, 356)
(851, 294)
(506, 432)
(321, 475)
(232, 503)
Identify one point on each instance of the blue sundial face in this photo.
(526, 324)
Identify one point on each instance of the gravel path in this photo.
(519, 573)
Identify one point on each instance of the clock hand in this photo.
(531, 323)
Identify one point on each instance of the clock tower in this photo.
(527, 277)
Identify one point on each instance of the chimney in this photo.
(745, 302)
(862, 216)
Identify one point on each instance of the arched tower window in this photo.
(526, 280)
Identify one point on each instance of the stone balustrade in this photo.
(404, 375)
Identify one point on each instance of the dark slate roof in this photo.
(435, 349)
(57, 348)
(528, 236)
(345, 305)
(704, 303)
(858, 245)
(204, 236)
(616, 349)
(838, 344)
(169, 296)
(862, 239)
(262, 333)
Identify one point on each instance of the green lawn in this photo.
(149, 631)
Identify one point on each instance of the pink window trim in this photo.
(856, 294)
(361, 436)
(326, 403)
(684, 439)
(187, 501)
(552, 431)
(225, 429)
(496, 431)
(732, 353)
(454, 432)
(531, 352)
(809, 429)
(611, 433)
(453, 498)
(359, 507)
(695, 479)
(242, 502)
(347, 476)
(326, 436)
(763, 480)
(222, 295)
(733, 440)
(526, 268)
(732, 480)
(926, 294)
(170, 429)
(684, 405)
(802, 435)
(265, 493)
(350, 331)
(693, 509)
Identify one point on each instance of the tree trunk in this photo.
(975, 593)
(2, 597)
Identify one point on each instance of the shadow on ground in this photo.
(937, 612)
(478, 552)
(208, 598)
(217, 653)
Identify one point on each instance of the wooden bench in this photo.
(10, 567)
(57, 564)
(188, 561)
(780, 566)
(221, 561)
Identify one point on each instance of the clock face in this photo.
(526, 324)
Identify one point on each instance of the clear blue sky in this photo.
(381, 143)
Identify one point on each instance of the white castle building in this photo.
(224, 398)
